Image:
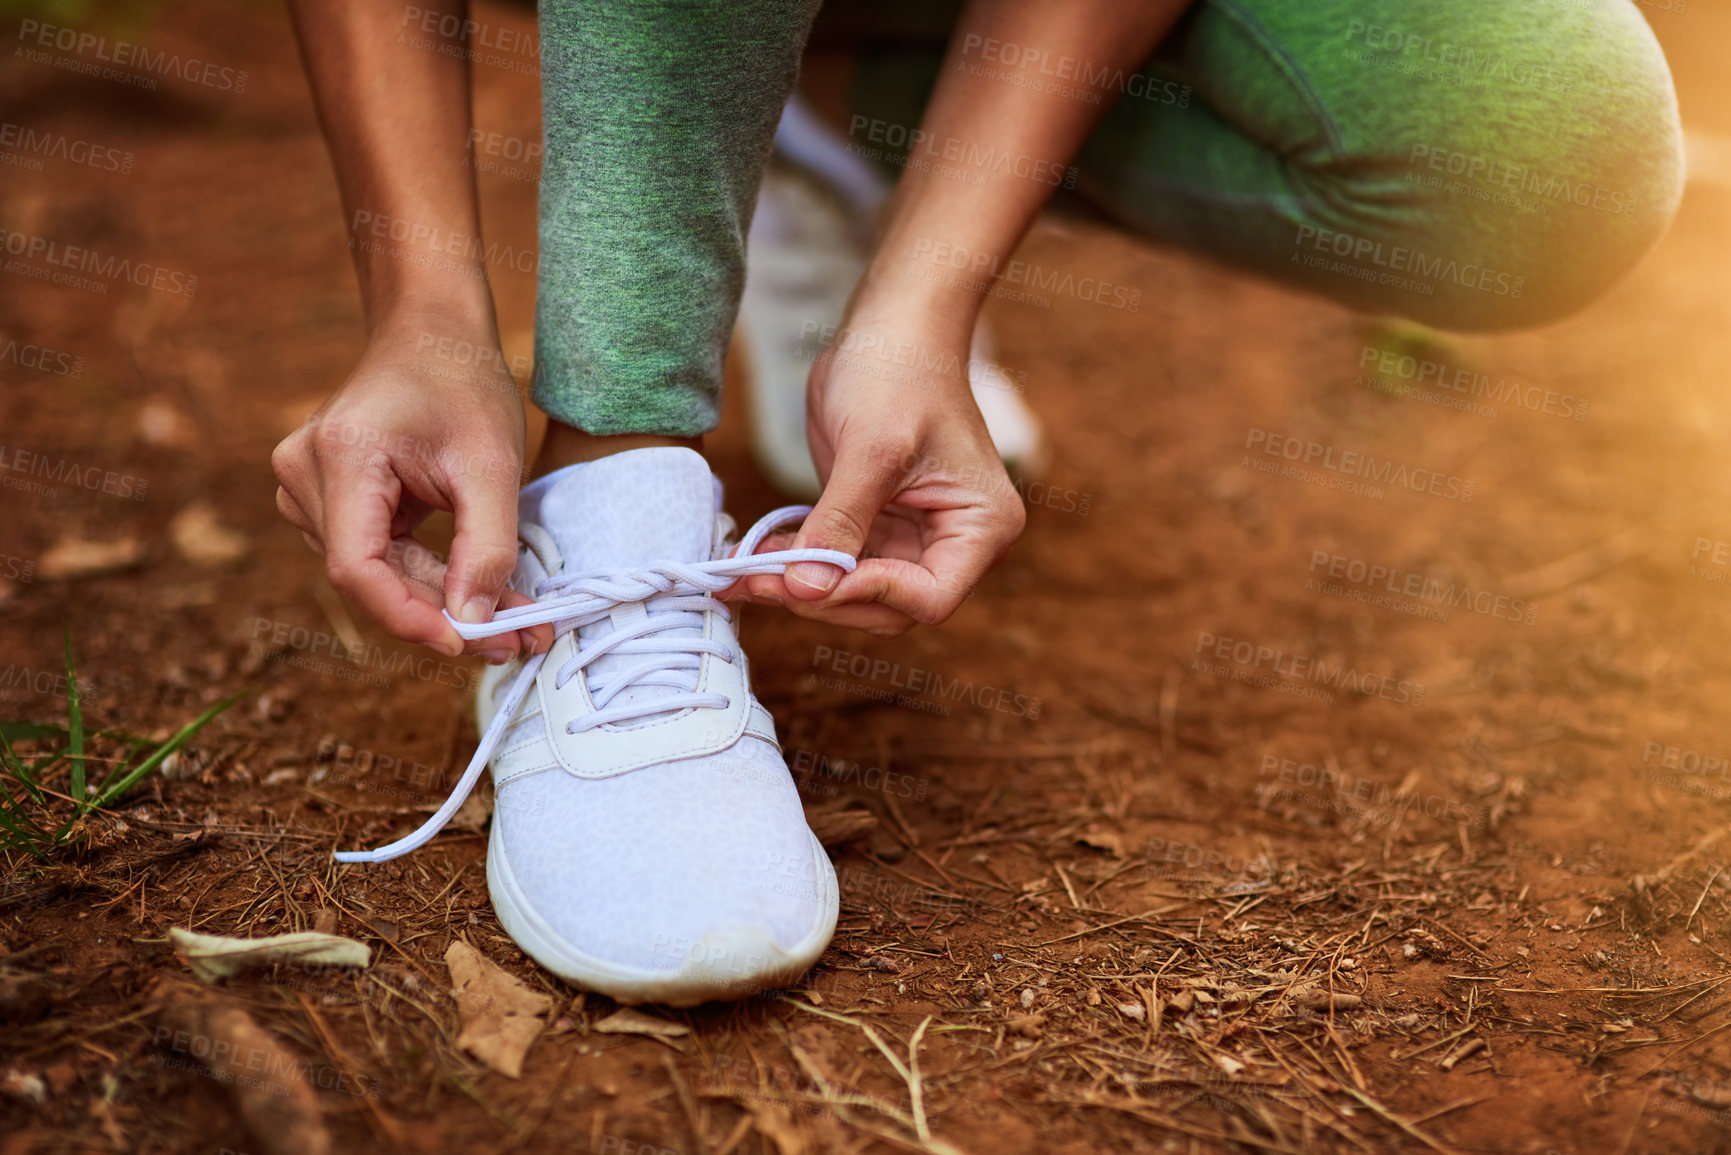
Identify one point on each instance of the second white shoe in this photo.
(647, 841)
(810, 241)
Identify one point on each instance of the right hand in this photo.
(405, 435)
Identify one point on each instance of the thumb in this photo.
(858, 489)
(484, 551)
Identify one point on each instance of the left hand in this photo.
(913, 485)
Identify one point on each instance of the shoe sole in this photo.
(693, 982)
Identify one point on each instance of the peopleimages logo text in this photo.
(87, 260)
(128, 55)
(989, 266)
(60, 470)
(58, 146)
(1400, 259)
(1354, 463)
(1303, 668)
(1405, 583)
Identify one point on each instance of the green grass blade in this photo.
(74, 727)
(24, 731)
(22, 833)
(15, 767)
(180, 738)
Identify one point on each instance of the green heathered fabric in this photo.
(1301, 150)
(658, 118)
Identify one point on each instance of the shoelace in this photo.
(673, 589)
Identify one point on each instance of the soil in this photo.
(1121, 885)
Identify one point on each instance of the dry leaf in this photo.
(1111, 843)
(266, 1082)
(627, 1021)
(73, 557)
(213, 956)
(1316, 999)
(473, 813)
(203, 540)
(501, 1016)
(1133, 1011)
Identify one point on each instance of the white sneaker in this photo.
(648, 841)
(811, 238)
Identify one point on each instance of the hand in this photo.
(912, 483)
(405, 435)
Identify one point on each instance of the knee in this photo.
(1541, 196)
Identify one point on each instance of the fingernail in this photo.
(814, 575)
(497, 657)
(475, 611)
(450, 648)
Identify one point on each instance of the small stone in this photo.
(23, 1085)
(884, 846)
(202, 539)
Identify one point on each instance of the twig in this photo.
(1576, 567)
(1391, 1117)
(1703, 898)
(1118, 921)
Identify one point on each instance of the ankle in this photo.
(567, 445)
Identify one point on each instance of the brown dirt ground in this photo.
(1033, 885)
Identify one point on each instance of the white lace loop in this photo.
(570, 601)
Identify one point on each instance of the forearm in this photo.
(945, 240)
(396, 117)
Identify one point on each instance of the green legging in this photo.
(1467, 164)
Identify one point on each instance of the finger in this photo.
(426, 575)
(767, 587)
(763, 589)
(871, 617)
(422, 568)
(484, 551)
(860, 485)
(535, 639)
(928, 591)
(293, 513)
(361, 501)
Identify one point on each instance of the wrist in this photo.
(449, 291)
(900, 298)
(419, 323)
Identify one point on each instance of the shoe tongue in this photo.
(622, 513)
(632, 509)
